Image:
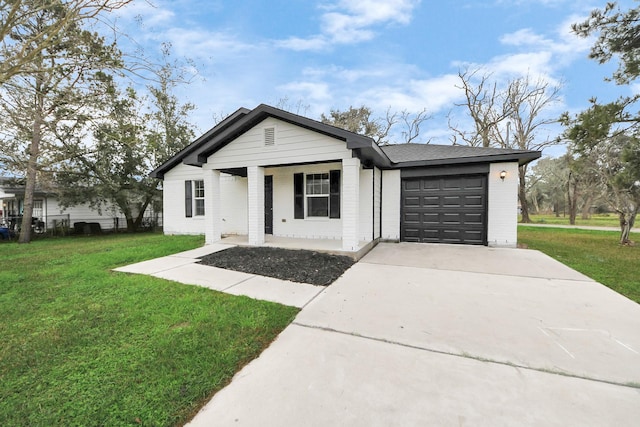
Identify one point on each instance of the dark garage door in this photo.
(445, 209)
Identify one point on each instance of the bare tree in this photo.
(412, 123)
(486, 104)
(494, 111)
(526, 101)
(299, 107)
(359, 120)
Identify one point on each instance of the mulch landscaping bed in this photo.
(294, 265)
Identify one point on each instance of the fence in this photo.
(62, 225)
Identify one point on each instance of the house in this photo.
(48, 213)
(265, 172)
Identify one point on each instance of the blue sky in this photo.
(403, 54)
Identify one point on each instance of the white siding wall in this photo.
(83, 213)
(502, 229)
(284, 224)
(293, 144)
(391, 205)
(233, 195)
(174, 220)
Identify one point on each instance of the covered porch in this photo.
(271, 204)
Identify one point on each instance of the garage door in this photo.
(445, 209)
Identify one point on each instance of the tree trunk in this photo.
(32, 167)
(522, 195)
(572, 199)
(627, 220)
(586, 208)
(140, 217)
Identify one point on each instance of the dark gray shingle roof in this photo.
(409, 153)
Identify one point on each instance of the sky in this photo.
(320, 55)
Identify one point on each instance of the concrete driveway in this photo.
(447, 335)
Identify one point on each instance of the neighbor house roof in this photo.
(364, 147)
(12, 186)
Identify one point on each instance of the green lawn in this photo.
(82, 345)
(596, 254)
(602, 220)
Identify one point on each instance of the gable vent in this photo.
(269, 136)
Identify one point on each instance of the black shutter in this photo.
(298, 196)
(334, 194)
(188, 204)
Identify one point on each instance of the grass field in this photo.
(596, 254)
(603, 220)
(82, 345)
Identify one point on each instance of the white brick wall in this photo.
(233, 202)
(390, 205)
(502, 229)
(284, 224)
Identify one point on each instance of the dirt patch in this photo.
(294, 265)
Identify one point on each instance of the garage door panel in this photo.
(444, 209)
(429, 186)
(430, 201)
(473, 201)
(453, 201)
(430, 218)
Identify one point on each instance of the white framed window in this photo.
(317, 194)
(37, 209)
(198, 197)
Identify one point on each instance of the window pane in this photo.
(325, 184)
(200, 207)
(199, 187)
(318, 206)
(318, 183)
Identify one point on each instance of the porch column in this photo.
(350, 203)
(212, 211)
(255, 203)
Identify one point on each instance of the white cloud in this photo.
(353, 21)
(300, 44)
(309, 91)
(149, 14)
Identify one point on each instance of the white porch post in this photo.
(255, 202)
(212, 211)
(350, 203)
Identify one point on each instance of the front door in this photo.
(268, 204)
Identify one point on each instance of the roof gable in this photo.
(395, 156)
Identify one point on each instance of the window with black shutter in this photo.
(334, 194)
(188, 200)
(298, 196)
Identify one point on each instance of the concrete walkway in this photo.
(447, 335)
(182, 267)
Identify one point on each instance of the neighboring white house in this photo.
(48, 214)
(267, 171)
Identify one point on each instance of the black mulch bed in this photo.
(294, 265)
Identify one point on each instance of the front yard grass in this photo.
(82, 345)
(596, 254)
(597, 220)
